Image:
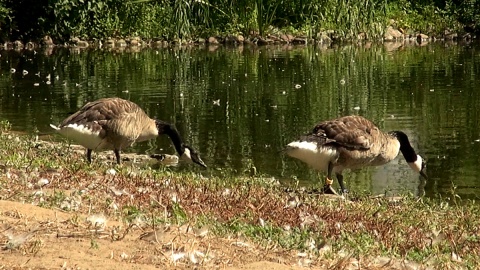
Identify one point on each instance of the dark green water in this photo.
(240, 106)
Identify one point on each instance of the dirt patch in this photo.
(37, 238)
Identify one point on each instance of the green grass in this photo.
(422, 230)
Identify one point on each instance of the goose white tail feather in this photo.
(54, 127)
(84, 136)
(308, 152)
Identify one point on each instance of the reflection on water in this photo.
(240, 106)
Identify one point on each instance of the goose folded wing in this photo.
(351, 134)
(95, 111)
(356, 139)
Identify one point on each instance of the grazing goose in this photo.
(351, 142)
(115, 124)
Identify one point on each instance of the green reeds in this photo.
(187, 19)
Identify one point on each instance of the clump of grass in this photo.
(5, 126)
(424, 17)
(422, 230)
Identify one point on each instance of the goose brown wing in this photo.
(101, 110)
(97, 114)
(350, 131)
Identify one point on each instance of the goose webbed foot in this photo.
(327, 188)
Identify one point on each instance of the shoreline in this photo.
(52, 201)
(324, 38)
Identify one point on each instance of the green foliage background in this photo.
(188, 19)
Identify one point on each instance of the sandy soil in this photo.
(37, 238)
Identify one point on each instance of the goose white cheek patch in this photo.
(186, 155)
(417, 165)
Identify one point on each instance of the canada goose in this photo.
(115, 124)
(351, 142)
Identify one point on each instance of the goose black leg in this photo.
(89, 155)
(327, 188)
(117, 155)
(340, 181)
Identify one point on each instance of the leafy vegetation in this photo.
(188, 19)
(4, 17)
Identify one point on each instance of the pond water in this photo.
(240, 106)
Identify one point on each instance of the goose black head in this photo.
(418, 165)
(186, 152)
(415, 161)
(191, 155)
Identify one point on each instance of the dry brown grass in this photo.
(56, 209)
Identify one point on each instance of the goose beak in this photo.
(191, 155)
(200, 162)
(422, 170)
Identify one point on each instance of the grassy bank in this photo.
(292, 228)
(188, 20)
